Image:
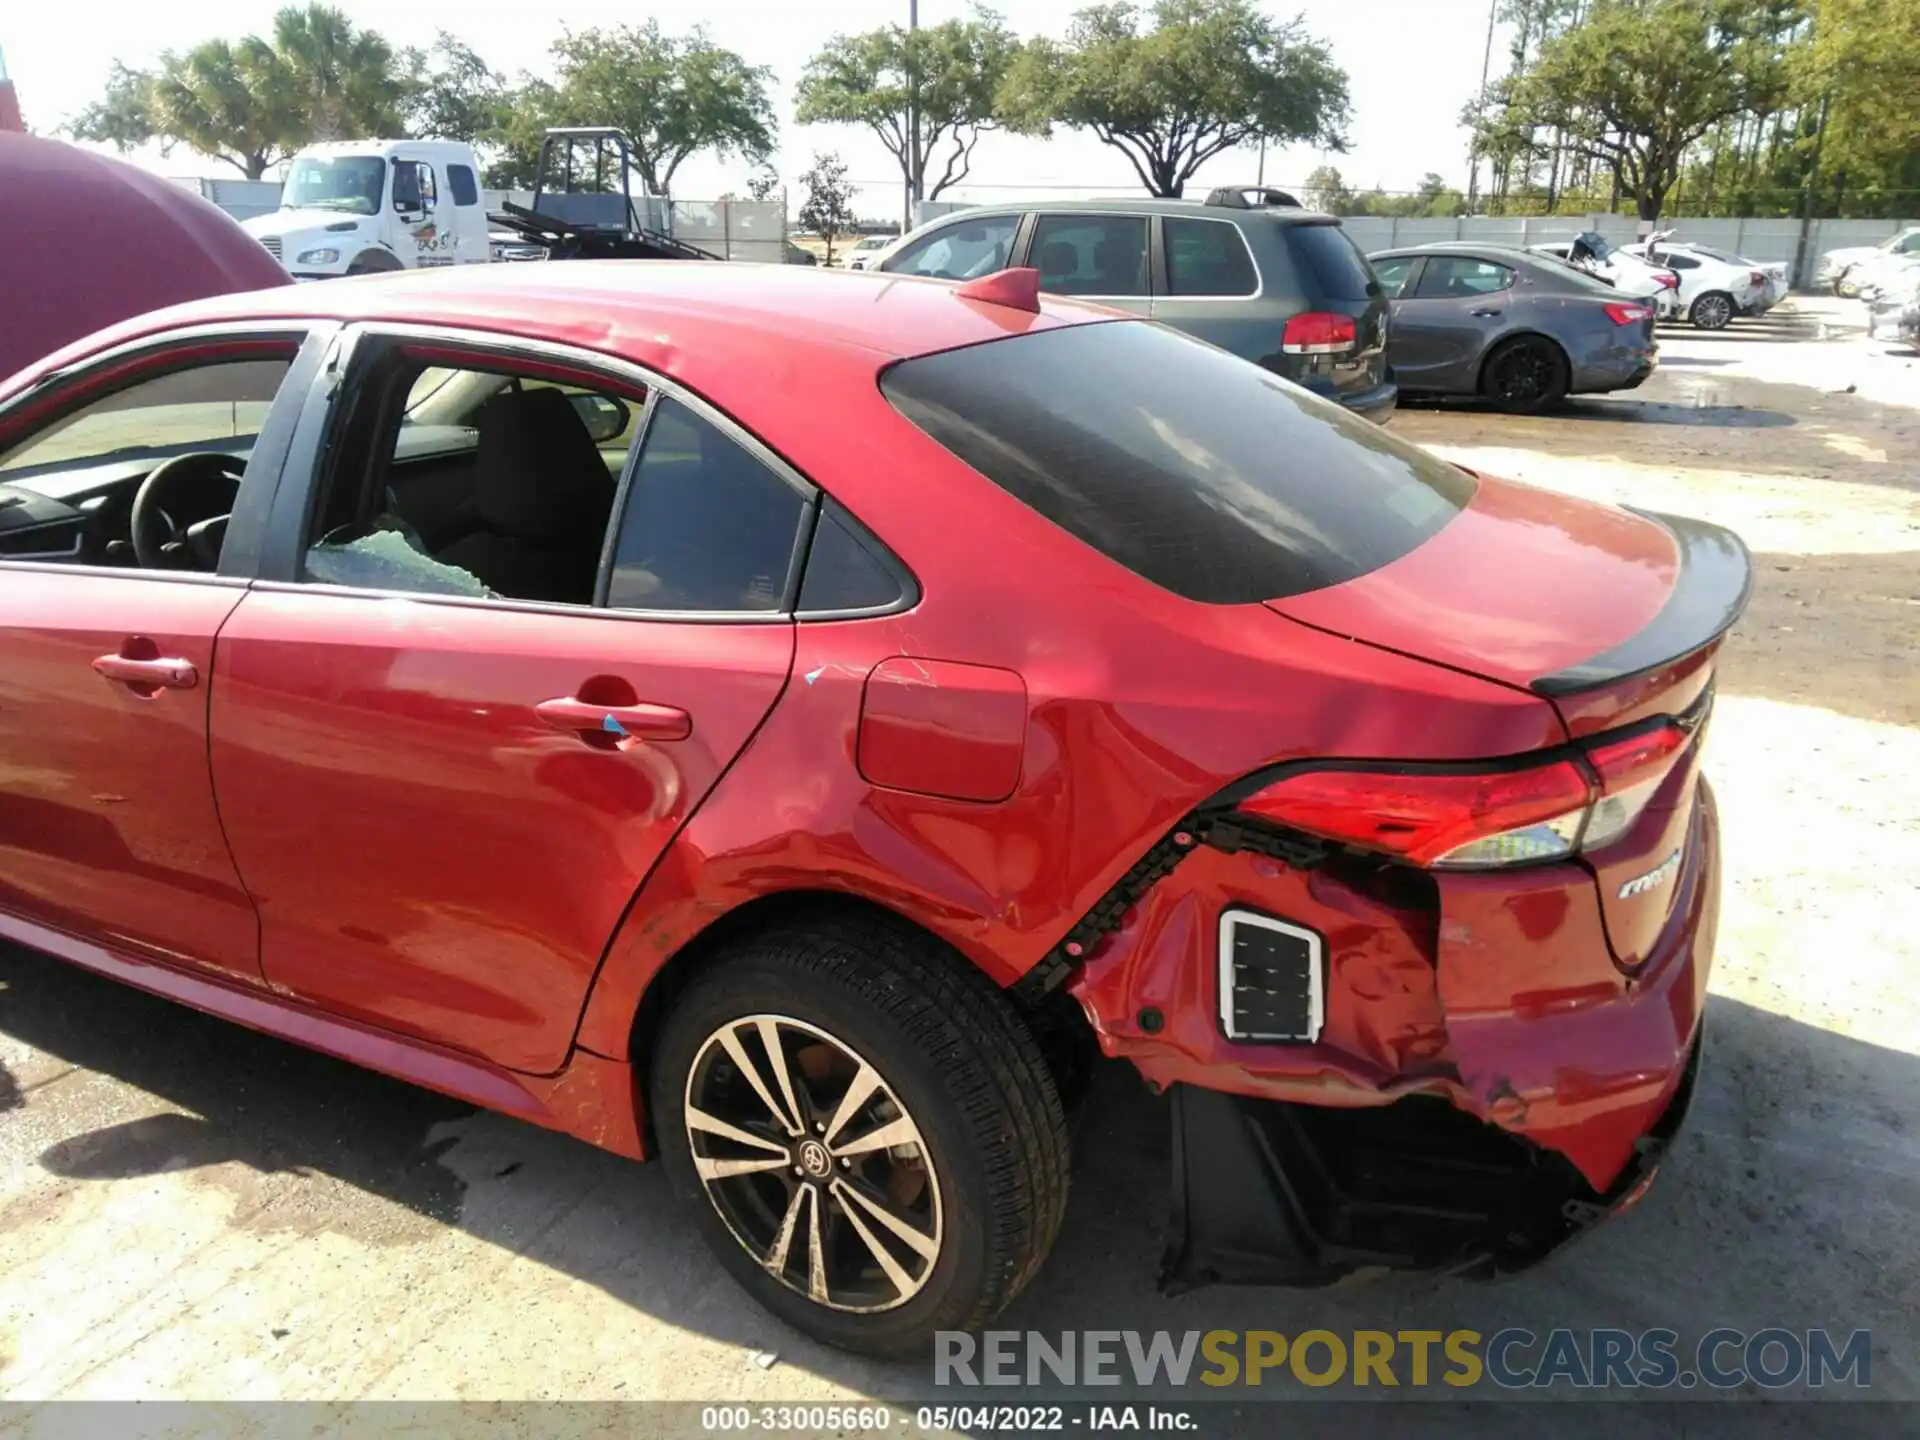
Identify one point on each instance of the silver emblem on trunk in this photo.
(1653, 879)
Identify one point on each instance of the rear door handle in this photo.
(642, 721)
(162, 673)
(1484, 313)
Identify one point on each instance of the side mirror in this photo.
(603, 418)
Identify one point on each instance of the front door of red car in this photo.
(449, 748)
(108, 830)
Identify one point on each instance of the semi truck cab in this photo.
(355, 207)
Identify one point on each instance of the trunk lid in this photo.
(1612, 616)
(1523, 586)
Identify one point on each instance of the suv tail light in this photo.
(1450, 818)
(1317, 332)
(1622, 314)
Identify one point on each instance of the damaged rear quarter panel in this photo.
(1383, 1033)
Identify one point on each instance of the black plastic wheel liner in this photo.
(1268, 1193)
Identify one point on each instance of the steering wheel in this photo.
(183, 485)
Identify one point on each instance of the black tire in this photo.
(1711, 311)
(1525, 375)
(374, 262)
(965, 1071)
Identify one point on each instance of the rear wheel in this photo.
(1711, 311)
(1525, 375)
(868, 1135)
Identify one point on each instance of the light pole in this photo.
(913, 114)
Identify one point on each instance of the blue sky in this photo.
(1411, 67)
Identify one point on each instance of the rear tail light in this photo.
(1758, 277)
(1452, 819)
(1626, 314)
(1630, 770)
(1667, 280)
(1319, 333)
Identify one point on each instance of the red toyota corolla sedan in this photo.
(781, 719)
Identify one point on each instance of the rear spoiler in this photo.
(1709, 592)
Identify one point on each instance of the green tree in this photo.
(1325, 190)
(253, 102)
(1861, 67)
(454, 94)
(1204, 77)
(344, 78)
(233, 102)
(673, 95)
(1635, 84)
(951, 73)
(123, 116)
(826, 205)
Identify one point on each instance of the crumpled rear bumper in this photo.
(1267, 1193)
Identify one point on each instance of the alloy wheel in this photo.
(813, 1162)
(1710, 312)
(1523, 374)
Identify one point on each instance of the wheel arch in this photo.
(760, 915)
(1693, 306)
(376, 259)
(1509, 339)
(1056, 1023)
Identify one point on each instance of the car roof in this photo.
(1144, 205)
(625, 307)
(1465, 248)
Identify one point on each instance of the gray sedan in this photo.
(1520, 330)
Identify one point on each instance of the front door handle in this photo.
(163, 672)
(641, 721)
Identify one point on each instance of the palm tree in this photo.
(230, 101)
(344, 77)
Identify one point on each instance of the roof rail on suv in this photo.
(1252, 197)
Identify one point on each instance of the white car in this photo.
(1662, 249)
(864, 251)
(1712, 290)
(1846, 268)
(1629, 274)
(1893, 306)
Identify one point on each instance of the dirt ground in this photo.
(189, 1210)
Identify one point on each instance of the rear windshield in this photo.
(1327, 254)
(1196, 470)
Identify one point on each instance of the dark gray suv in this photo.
(1244, 270)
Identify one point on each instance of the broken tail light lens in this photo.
(1319, 333)
(1436, 818)
(1453, 819)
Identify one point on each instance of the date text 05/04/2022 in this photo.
(942, 1419)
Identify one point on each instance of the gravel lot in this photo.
(189, 1210)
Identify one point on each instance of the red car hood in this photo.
(1611, 614)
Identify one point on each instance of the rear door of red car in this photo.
(108, 830)
(443, 802)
